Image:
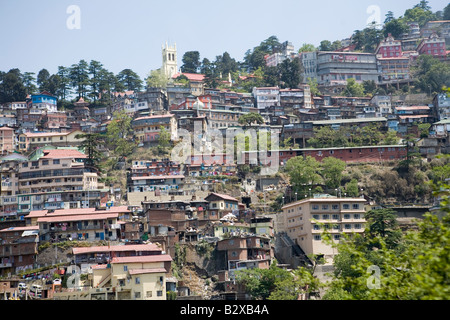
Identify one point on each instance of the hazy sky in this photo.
(129, 34)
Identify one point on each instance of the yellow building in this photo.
(125, 278)
(32, 140)
(304, 222)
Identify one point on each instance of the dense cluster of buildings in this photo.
(49, 194)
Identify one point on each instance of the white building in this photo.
(266, 97)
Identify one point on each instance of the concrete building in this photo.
(441, 106)
(30, 141)
(148, 128)
(286, 51)
(335, 68)
(309, 61)
(266, 97)
(246, 252)
(18, 249)
(57, 179)
(433, 45)
(7, 140)
(132, 273)
(44, 101)
(304, 222)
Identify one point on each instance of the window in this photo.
(315, 216)
(159, 293)
(337, 237)
(358, 226)
(346, 216)
(356, 206)
(335, 217)
(317, 237)
(149, 294)
(357, 216)
(316, 227)
(137, 295)
(325, 216)
(137, 280)
(324, 207)
(56, 161)
(346, 206)
(335, 207)
(315, 207)
(125, 268)
(347, 226)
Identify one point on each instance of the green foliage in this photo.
(156, 79)
(431, 74)
(332, 169)
(303, 172)
(412, 266)
(313, 85)
(130, 80)
(120, 134)
(250, 118)
(307, 47)
(353, 89)
(89, 145)
(191, 62)
(351, 188)
(11, 86)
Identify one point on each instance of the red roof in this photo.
(155, 116)
(223, 196)
(147, 270)
(190, 76)
(117, 248)
(63, 153)
(143, 259)
(81, 217)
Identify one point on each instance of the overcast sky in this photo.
(129, 34)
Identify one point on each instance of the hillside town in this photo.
(164, 190)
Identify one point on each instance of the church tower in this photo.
(169, 59)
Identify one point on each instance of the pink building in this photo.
(389, 48)
(434, 45)
(6, 140)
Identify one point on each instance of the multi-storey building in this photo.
(441, 106)
(8, 189)
(7, 140)
(291, 99)
(441, 27)
(335, 68)
(309, 61)
(286, 52)
(383, 105)
(29, 141)
(392, 63)
(246, 252)
(44, 101)
(433, 45)
(304, 222)
(18, 249)
(266, 97)
(147, 129)
(58, 179)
